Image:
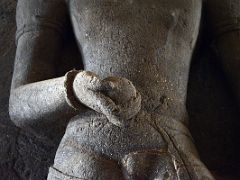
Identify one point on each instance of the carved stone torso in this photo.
(148, 42)
(131, 129)
(126, 132)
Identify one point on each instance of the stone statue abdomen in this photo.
(144, 41)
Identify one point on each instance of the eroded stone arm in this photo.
(37, 96)
(225, 18)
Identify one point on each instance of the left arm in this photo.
(225, 18)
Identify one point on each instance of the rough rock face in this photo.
(212, 111)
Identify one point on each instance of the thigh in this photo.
(82, 163)
(149, 164)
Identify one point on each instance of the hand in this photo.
(114, 97)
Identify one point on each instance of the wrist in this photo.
(70, 96)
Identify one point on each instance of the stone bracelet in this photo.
(69, 92)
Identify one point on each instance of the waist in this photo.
(93, 131)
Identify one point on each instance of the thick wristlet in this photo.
(69, 92)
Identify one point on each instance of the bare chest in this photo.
(139, 14)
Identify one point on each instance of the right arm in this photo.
(34, 99)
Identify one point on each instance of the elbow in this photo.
(15, 120)
(16, 113)
(13, 116)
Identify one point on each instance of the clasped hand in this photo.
(115, 97)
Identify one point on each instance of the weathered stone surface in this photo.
(22, 154)
(213, 116)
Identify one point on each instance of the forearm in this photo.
(37, 98)
(40, 102)
(33, 99)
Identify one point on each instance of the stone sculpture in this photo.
(126, 109)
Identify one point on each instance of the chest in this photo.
(166, 13)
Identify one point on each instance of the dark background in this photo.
(214, 119)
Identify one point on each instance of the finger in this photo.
(102, 104)
(88, 80)
(98, 102)
(132, 107)
(105, 86)
(93, 82)
(109, 83)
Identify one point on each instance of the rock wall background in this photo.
(212, 111)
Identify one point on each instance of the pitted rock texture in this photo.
(212, 111)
